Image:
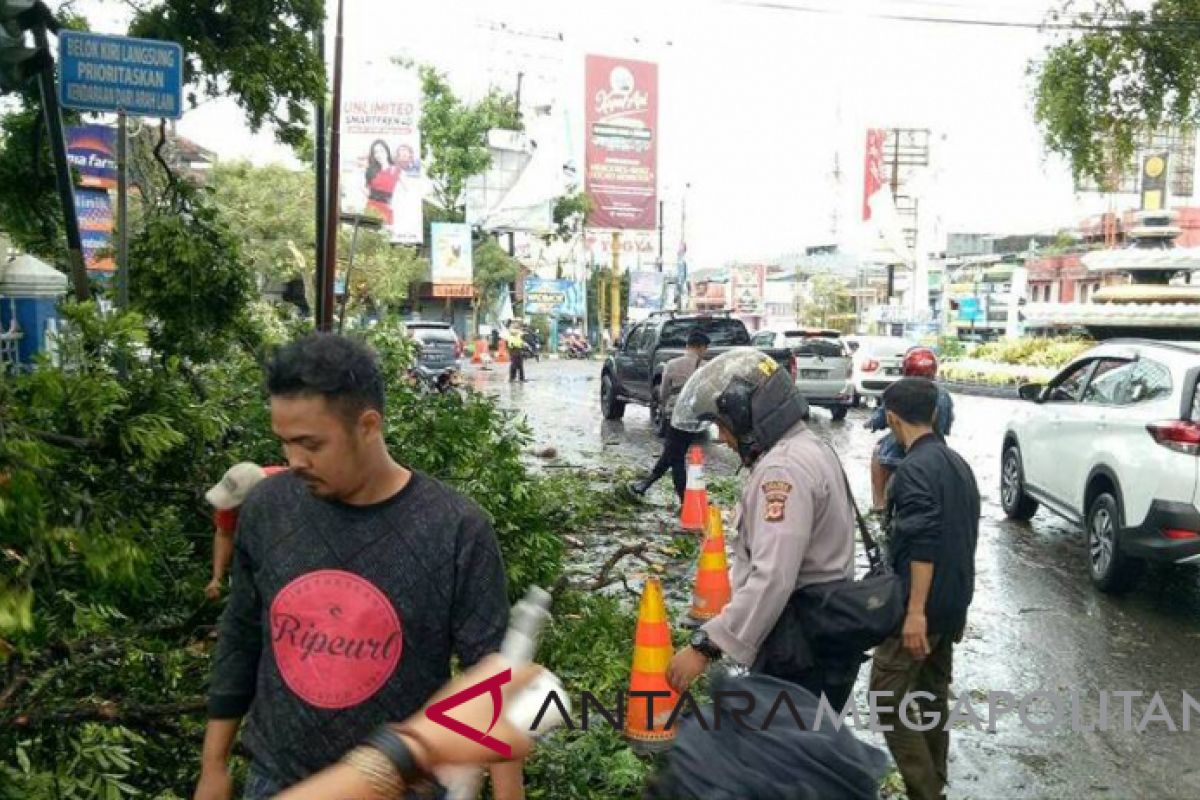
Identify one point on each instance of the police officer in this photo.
(516, 351)
(795, 521)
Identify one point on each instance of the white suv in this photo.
(1111, 443)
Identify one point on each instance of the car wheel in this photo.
(839, 413)
(610, 406)
(1111, 570)
(1016, 503)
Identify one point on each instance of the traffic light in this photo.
(19, 63)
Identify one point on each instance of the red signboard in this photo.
(622, 143)
(873, 179)
(453, 290)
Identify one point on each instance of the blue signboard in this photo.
(142, 77)
(969, 310)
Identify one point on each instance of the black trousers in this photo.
(674, 458)
(516, 365)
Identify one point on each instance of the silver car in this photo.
(824, 366)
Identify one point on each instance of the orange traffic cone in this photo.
(646, 732)
(695, 497)
(712, 590)
(502, 353)
(480, 349)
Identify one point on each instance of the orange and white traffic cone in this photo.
(647, 732)
(502, 353)
(712, 590)
(480, 349)
(695, 497)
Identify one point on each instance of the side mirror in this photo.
(1032, 392)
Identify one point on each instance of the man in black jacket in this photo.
(934, 509)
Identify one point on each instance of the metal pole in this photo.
(891, 268)
(322, 180)
(615, 297)
(660, 235)
(333, 200)
(122, 212)
(349, 267)
(62, 169)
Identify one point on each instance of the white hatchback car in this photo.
(1111, 443)
(878, 363)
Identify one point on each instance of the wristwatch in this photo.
(705, 646)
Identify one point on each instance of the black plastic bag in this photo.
(791, 760)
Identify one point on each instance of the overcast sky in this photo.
(755, 103)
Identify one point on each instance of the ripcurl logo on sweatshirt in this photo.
(336, 638)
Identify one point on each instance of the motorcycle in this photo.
(434, 381)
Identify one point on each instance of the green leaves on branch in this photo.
(260, 52)
(1098, 92)
(454, 135)
(187, 278)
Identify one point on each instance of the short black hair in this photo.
(913, 400)
(343, 370)
(698, 339)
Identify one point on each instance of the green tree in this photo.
(273, 208)
(454, 135)
(494, 268)
(1126, 73)
(259, 53)
(829, 300)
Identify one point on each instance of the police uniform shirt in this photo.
(795, 528)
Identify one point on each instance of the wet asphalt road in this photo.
(1036, 622)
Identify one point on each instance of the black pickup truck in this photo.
(633, 371)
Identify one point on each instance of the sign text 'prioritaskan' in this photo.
(141, 77)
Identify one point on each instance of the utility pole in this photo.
(58, 147)
(615, 298)
(321, 177)
(122, 212)
(891, 268)
(325, 323)
(660, 235)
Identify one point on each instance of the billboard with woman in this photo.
(380, 161)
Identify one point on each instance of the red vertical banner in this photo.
(622, 142)
(873, 177)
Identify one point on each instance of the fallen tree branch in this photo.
(602, 578)
(110, 712)
(62, 440)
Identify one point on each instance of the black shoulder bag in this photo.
(837, 621)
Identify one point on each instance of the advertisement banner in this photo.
(451, 257)
(645, 294)
(873, 177)
(556, 298)
(92, 151)
(94, 210)
(621, 121)
(748, 289)
(381, 154)
(637, 247)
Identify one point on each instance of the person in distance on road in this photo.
(674, 453)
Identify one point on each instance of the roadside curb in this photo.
(982, 390)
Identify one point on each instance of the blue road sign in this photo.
(969, 310)
(142, 77)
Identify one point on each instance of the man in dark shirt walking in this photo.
(934, 508)
(674, 453)
(354, 582)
